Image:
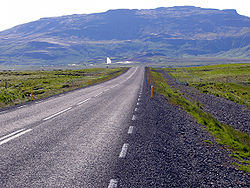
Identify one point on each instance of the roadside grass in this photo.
(231, 81)
(15, 87)
(208, 141)
(238, 142)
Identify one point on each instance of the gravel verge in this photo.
(223, 110)
(167, 149)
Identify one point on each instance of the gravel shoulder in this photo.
(222, 109)
(167, 149)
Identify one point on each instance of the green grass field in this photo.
(15, 87)
(238, 142)
(231, 81)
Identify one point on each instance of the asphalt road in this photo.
(72, 140)
(168, 148)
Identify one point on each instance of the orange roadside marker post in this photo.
(31, 94)
(152, 91)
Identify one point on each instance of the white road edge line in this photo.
(114, 85)
(57, 114)
(9, 135)
(123, 151)
(98, 94)
(113, 183)
(21, 106)
(130, 129)
(15, 136)
(83, 101)
(133, 117)
(2, 112)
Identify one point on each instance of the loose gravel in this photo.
(168, 150)
(223, 110)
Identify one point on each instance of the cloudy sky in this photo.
(14, 12)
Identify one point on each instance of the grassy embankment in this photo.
(238, 142)
(231, 81)
(15, 87)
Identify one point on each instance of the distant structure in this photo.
(108, 61)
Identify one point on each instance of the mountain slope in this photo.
(127, 34)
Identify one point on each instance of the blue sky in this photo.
(15, 12)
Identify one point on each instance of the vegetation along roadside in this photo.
(16, 87)
(230, 81)
(238, 142)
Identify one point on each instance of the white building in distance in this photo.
(108, 60)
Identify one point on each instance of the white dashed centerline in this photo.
(105, 90)
(130, 129)
(123, 151)
(133, 117)
(57, 114)
(13, 135)
(9, 135)
(113, 183)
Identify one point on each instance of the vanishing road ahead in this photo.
(71, 140)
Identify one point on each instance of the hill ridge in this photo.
(127, 34)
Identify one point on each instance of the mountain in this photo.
(123, 34)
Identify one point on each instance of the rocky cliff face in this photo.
(126, 34)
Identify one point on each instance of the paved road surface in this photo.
(72, 140)
(167, 148)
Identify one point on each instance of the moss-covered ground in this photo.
(236, 141)
(15, 87)
(231, 81)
